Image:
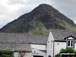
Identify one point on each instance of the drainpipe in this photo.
(53, 48)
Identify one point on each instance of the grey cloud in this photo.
(16, 1)
(67, 7)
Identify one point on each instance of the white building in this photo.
(24, 45)
(60, 39)
(38, 46)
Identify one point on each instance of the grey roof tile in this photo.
(15, 47)
(61, 34)
(22, 38)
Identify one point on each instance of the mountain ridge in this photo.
(39, 21)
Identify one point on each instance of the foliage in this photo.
(6, 53)
(38, 28)
(67, 50)
(58, 55)
(37, 24)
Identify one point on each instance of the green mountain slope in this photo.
(39, 21)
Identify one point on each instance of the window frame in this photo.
(71, 43)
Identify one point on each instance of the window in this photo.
(49, 56)
(37, 56)
(70, 43)
(57, 43)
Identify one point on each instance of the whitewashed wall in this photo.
(38, 50)
(50, 45)
(16, 54)
(28, 55)
(40, 47)
(38, 53)
(58, 46)
(75, 46)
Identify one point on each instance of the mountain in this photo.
(40, 21)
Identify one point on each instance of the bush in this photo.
(58, 55)
(67, 50)
(6, 53)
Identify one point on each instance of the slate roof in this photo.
(15, 47)
(22, 47)
(20, 42)
(61, 34)
(22, 38)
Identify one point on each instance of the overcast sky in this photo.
(12, 9)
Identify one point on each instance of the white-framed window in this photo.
(70, 43)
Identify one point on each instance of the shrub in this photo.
(67, 50)
(58, 55)
(6, 53)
